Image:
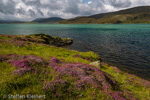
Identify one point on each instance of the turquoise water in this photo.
(126, 46)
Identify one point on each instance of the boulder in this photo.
(96, 64)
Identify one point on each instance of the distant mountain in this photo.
(48, 20)
(133, 15)
(6, 21)
(11, 21)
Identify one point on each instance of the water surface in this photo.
(126, 46)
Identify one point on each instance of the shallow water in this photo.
(126, 45)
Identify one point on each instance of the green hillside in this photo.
(48, 20)
(132, 15)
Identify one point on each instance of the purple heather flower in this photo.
(26, 62)
(54, 62)
(21, 63)
(2, 58)
(22, 71)
(19, 43)
(86, 74)
(36, 60)
(116, 95)
(55, 84)
(13, 57)
(87, 80)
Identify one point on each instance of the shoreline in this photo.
(67, 42)
(121, 67)
(126, 70)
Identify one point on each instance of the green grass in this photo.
(4, 38)
(46, 52)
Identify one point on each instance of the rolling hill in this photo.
(139, 14)
(48, 20)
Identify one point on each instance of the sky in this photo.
(28, 10)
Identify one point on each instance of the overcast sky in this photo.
(31, 9)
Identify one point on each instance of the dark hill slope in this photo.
(136, 10)
(133, 15)
(48, 20)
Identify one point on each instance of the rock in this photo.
(68, 41)
(96, 64)
(45, 39)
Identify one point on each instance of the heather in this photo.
(38, 68)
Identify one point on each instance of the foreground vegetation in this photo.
(34, 65)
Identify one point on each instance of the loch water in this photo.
(124, 45)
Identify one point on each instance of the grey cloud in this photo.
(20, 11)
(52, 14)
(32, 13)
(8, 8)
(120, 3)
(96, 6)
(40, 12)
(73, 7)
(31, 9)
(37, 4)
(32, 3)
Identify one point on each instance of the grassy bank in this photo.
(33, 67)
